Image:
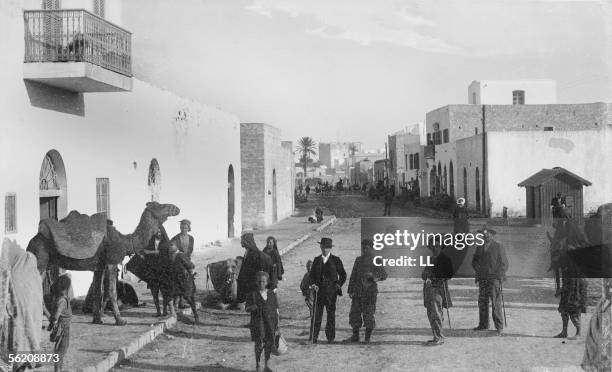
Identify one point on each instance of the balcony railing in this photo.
(71, 35)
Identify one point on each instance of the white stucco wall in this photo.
(585, 153)
(499, 92)
(103, 135)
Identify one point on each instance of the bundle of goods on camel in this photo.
(224, 276)
(90, 243)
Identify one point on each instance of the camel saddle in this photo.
(77, 236)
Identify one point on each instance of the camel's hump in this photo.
(77, 236)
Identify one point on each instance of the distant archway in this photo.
(465, 186)
(274, 202)
(451, 179)
(444, 181)
(477, 189)
(230, 201)
(154, 180)
(432, 181)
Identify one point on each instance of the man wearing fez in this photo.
(435, 290)
(363, 290)
(184, 241)
(327, 277)
(490, 264)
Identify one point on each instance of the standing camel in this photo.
(83, 243)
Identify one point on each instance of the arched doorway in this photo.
(230, 202)
(477, 189)
(444, 181)
(432, 181)
(465, 186)
(274, 202)
(451, 179)
(154, 180)
(52, 199)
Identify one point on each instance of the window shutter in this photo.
(51, 4)
(99, 7)
(103, 196)
(10, 213)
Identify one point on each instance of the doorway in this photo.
(52, 201)
(230, 202)
(274, 201)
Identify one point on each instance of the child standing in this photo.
(60, 320)
(305, 287)
(263, 306)
(182, 279)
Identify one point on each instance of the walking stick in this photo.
(314, 315)
(444, 286)
(501, 290)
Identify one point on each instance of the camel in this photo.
(100, 248)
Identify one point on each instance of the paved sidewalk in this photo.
(99, 347)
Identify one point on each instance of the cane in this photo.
(444, 286)
(501, 290)
(314, 315)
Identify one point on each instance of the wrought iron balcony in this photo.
(100, 50)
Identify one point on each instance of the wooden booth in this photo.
(543, 186)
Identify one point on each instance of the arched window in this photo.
(154, 180)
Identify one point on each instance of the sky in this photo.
(358, 70)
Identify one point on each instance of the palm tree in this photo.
(306, 146)
(352, 150)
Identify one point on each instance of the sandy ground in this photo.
(223, 344)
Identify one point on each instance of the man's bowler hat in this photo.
(326, 243)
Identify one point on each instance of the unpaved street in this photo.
(223, 344)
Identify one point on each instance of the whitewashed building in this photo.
(78, 132)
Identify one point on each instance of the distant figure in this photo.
(307, 189)
(363, 291)
(490, 264)
(557, 205)
(388, 201)
(460, 218)
(59, 323)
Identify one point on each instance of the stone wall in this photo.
(266, 161)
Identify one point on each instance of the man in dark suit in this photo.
(490, 264)
(327, 277)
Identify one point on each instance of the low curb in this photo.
(118, 355)
(306, 237)
(114, 357)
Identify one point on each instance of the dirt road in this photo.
(223, 344)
